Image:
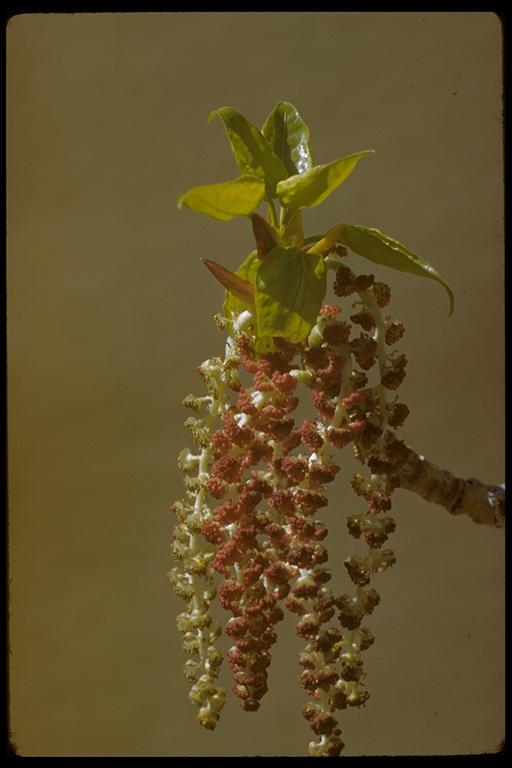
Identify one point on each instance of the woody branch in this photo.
(484, 504)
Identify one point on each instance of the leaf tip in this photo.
(452, 302)
(240, 288)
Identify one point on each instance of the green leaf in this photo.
(223, 201)
(250, 149)
(288, 137)
(382, 249)
(325, 243)
(247, 271)
(290, 288)
(311, 188)
(292, 232)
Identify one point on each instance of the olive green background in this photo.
(110, 311)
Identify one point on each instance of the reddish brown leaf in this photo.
(240, 288)
(265, 235)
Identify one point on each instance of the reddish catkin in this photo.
(250, 524)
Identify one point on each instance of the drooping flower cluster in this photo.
(250, 524)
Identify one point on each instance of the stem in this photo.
(273, 212)
(368, 298)
(484, 504)
(340, 413)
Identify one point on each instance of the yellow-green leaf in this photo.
(311, 188)
(224, 201)
(250, 148)
(290, 289)
(382, 249)
(292, 231)
(288, 137)
(324, 245)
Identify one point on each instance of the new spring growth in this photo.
(249, 529)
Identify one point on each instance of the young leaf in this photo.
(312, 187)
(288, 137)
(292, 231)
(324, 245)
(250, 148)
(247, 271)
(223, 201)
(290, 288)
(265, 235)
(241, 289)
(382, 249)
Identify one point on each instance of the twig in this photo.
(484, 504)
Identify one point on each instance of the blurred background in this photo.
(110, 311)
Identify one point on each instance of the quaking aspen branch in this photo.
(484, 504)
(249, 529)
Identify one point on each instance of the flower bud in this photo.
(207, 718)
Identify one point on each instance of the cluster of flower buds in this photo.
(192, 577)
(249, 522)
(349, 412)
(368, 406)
